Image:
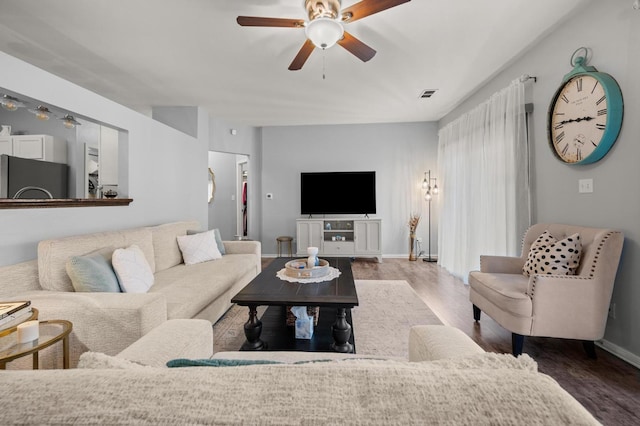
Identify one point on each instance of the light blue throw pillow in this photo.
(216, 233)
(93, 272)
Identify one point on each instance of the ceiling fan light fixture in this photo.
(10, 103)
(324, 32)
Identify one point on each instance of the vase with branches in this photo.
(414, 220)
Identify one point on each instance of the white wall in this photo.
(167, 169)
(611, 30)
(399, 154)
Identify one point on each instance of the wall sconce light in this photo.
(41, 113)
(10, 103)
(431, 190)
(69, 122)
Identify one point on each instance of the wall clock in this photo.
(585, 115)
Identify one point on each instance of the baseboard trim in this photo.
(621, 353)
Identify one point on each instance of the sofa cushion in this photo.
(132, 269)
(551, 257)
(198, 248)
(190, 288)
(508, 291)
(53, 254)
(93, 272)
(165, 244)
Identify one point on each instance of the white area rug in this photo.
(387, 310)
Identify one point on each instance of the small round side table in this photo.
(285, 240)
(51, 331)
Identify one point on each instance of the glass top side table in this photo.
(51, 332)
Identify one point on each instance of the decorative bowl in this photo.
(298, 269)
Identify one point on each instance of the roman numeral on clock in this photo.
(600, 126)
(559, 138)
(601, 100)
(579, 84)
(564, 98)
(602, 112)
(594, 87)
(565, 149)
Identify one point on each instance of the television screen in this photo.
(338, 193)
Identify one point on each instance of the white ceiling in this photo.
(144, 53)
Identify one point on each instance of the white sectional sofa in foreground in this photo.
(449, 380)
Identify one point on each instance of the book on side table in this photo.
(13, 313)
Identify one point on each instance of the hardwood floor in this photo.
(608, 387)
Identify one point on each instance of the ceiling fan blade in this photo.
(369, 7)
(256, 21)
(302, 56)
(357, 47)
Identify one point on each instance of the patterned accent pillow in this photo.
(199, 248)
(551, 257)
(132, 269)
(219, 242)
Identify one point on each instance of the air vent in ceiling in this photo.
(427, 93)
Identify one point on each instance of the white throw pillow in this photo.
(551, 257)
(132, 269)
(199, 248)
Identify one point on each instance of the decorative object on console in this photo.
(431, 190)
(5, 130)
(585, 115)
(414, 220)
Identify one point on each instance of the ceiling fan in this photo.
(325, 26)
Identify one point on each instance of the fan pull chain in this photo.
(324, 77)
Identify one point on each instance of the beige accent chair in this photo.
(563, 306)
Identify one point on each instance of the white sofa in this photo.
(110, 322)
(450, 380)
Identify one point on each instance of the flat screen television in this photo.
(338, 193)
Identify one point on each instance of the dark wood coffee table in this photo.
(267, 289)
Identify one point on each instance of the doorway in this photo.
(243, 188)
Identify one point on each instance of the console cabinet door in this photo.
(309, 234)
(367, 237)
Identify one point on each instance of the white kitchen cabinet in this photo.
(39, 147)
(6, 145)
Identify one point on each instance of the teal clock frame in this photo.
(615, 110)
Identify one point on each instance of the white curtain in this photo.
(483, 171)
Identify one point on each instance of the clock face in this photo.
(578, 118)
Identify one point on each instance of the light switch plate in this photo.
(585, 186)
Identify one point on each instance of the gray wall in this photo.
(167, 169)
(399, 154)
(611, 30)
